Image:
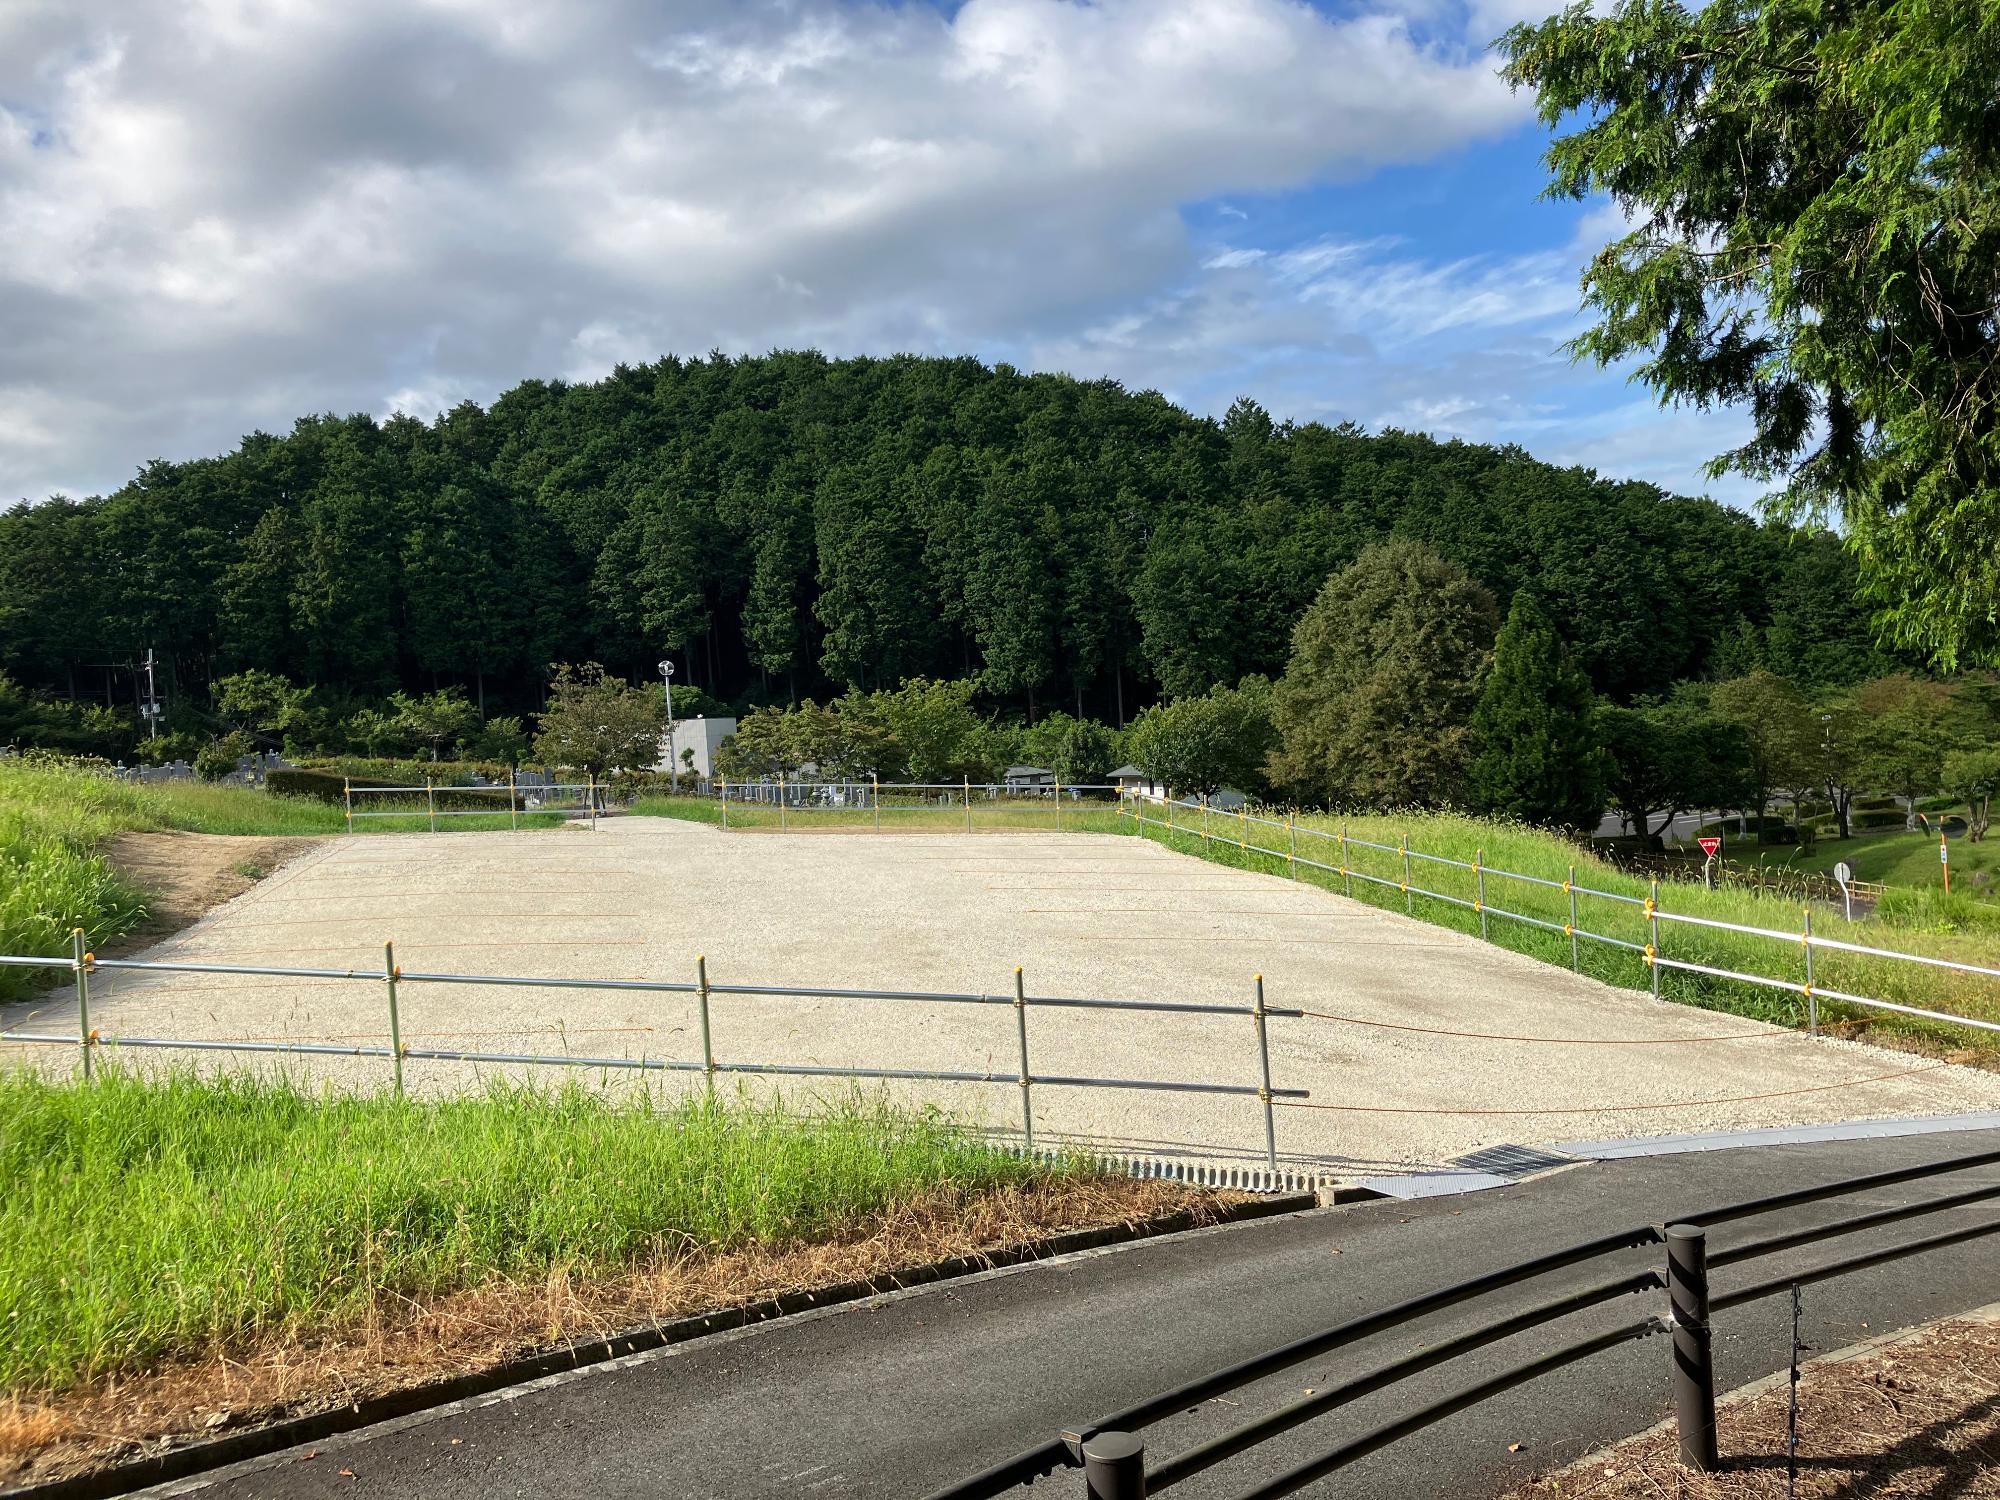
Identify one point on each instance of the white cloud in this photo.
(222, 214)
(1369, 331)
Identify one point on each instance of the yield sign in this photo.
(1710, 846)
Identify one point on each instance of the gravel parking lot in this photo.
(1396, 1081)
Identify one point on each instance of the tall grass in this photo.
(146, 1218)
(1510, 848)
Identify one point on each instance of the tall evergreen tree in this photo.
(1540, 759)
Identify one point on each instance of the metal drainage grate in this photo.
(1513, 1162)
(1249, 1179)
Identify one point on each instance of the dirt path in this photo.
(187, 875)
(1912, 1416)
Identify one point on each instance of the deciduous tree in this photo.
(1375, 707)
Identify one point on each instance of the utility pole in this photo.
(673, 764)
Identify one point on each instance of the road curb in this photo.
(193, 1459)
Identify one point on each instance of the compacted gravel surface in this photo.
(1084, 915)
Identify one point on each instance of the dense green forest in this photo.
(790, 525)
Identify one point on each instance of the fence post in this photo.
(1694, 1365)
(513, 804)
(1243, 825)
(1058, 804)
(1653, 941)
(1206, 837)
(1479, 874)
(781, 802)
(1027, 1078)
(875, 796)
(390, 973)
(1812, 998)
(968, 804)
(347, 797)
(431, 798)
(1345, 874)
(725, 804)
(1114, 1467)
(591, 777)
(81, 960)
(1569, 885)
(1292, 843)
(1409, 901)
(1264, 1089)
(707, 1044)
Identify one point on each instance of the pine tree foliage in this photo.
(1540, 758)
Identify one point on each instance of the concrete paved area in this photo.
(1086, 915)
(905, 1395)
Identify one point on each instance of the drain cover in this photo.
(1512, 1161)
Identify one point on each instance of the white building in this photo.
(1132, 779)
(700, 738)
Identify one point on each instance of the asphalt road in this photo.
(898, 1397)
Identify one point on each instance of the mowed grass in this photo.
(145, 1219)
(1899, 858)
(1377, 876)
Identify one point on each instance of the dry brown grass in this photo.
(402, 1343)
(1915, 1419)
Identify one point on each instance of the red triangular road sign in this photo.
(1710, 846)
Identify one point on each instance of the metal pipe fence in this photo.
(872, 799)
(1112, 1455)
(395, 979)
(1241, 830)
(522, 798)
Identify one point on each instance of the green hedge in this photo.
(330, 787)
(1877, 819)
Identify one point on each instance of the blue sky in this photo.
(231, 212)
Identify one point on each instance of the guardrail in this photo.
(1237, 829)
(394, 978)
(1113, 1457)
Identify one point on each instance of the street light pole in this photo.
(152, 700)
(673, 764)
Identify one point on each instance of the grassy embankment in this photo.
(1527, 851)
(181, 1218)
(1921, 924)
(55, 821)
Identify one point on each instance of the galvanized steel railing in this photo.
(393, 977)
(791, 797)
(520, 799)
(1241, 821)
(1112, 1456)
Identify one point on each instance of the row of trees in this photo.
(791, 526)
(1405, 688)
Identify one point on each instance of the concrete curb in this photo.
(179, 1463)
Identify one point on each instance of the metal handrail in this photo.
(90, 1040)
(1070, 1448)
(1806, 940)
